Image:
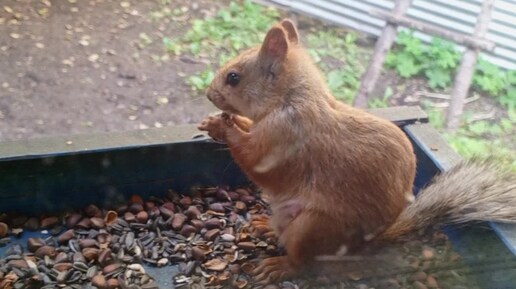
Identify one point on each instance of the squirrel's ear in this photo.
(275, 44)
(293, 35)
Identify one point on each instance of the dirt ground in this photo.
(94, 66)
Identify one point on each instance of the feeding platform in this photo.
(53, 175)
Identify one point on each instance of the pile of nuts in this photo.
(206, 233)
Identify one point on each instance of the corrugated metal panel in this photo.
(455, 15)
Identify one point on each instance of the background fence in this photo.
(455, 15)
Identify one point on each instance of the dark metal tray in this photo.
(53, 174)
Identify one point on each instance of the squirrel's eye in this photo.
(233, 79)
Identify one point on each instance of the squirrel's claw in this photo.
(273, 270)
(260, 227)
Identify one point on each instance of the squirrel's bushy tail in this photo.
(474, 190)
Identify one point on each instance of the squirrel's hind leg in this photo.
(309, 235)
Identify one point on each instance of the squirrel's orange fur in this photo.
(326, 166)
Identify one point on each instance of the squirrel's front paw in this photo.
(215, 126)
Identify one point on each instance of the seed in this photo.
(223, 195)
(129, 240)
(162, 262)
(170, 206)
(100, 282)
(211, 234)
(187, 230)
(81, 266)
(104, 238)
(46, 251)
(248, 200)
(216, 265)
(112, 268)
(62, 276)
(113, 283)
(136, 267)
(110, 218)
(90, 253)
(244, 237)
(61, 257)
(78, 258)
(97, 223)
(105, 256)
(233, 195)
(178, 221)
(66, 236)
(227, 237)
(212, 223)
(84, 224)
(129, 217)
(192, 212)
(91, 272)
(73, 220)
(246, 246)
(61, 267)
(217, 207)
(166, 212)
(186, 201)
(240, 207)
(20, 264)
(34, 244)
(242, 192)
(73, 244)
(198, 224)
(188, 268)
(87, 243)
(142, 217)
(198, 254)
(49, 222)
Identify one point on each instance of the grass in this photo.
(484, 139)
(243, 24)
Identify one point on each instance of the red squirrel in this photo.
(329, 167)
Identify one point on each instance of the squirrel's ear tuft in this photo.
(290, 27)
(275, 45)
